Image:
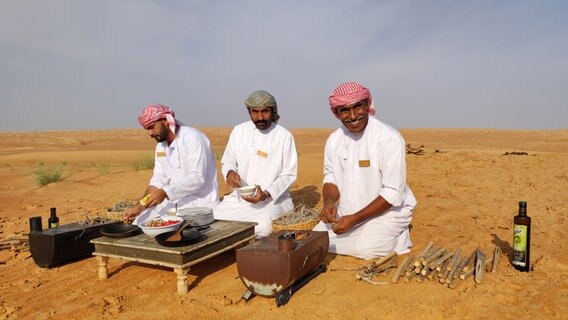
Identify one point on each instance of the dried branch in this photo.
(417, 151)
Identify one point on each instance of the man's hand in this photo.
(151, 199)
(329, 214)
(155, 198)
(233, 179)
(344, 224)
(257, 197)
(131, 213)
(330, 198)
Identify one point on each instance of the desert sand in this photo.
(467, 190)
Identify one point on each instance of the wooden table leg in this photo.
(181, 280)
(103, 271)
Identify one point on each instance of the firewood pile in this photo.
(435, 264)
(15, 242)
(417, 151)
(515, 153)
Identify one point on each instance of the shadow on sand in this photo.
(308, 196)
(504, 246)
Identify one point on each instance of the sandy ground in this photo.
(467, 191)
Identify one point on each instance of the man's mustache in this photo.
(356, 119)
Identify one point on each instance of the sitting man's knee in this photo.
(374, 250)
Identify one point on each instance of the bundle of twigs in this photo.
(417, 151)
(433, 263)
(301, 218)
(515, 153)
(122, 205)
(15, 242)
(384, 264)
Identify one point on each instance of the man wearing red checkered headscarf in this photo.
(350, 92)
(155, 112)
(185, 171)
(367, 206)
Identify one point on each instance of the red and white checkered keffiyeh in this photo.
(348, 93)
(155, 112)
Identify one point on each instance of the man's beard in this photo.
(159, 138)
(162, 135)
(261, 124)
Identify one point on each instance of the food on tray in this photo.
(160, 223)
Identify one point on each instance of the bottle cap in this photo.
(523, 204)
(52, 212)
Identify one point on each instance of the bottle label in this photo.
(520, 245)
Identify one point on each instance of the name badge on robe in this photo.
(160, 154)
(261, 153)
(364, 163)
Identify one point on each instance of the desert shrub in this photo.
(44, 175)
(103, 167)
(144, 162)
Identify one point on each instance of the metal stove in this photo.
(282, 263)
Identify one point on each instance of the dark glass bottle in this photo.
(53, 221)
(522, 239)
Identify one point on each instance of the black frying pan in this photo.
(188, 236)
(120, 230)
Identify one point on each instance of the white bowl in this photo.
(154, 231)
(247, 191)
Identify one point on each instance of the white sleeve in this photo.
(289, 172)
(194, 157)
(328, 176)
(229, 159)
(394, 171)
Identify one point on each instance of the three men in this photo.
(367, 206)
(185, 172)
(259, 153)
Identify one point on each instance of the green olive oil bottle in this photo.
(522, 239)
(53, 221)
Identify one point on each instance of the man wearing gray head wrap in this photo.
(261, 98)
(259, 153)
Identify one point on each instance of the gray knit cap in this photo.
(262, 99)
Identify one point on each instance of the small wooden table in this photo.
(222, 236)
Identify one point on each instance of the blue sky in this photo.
(67, 65)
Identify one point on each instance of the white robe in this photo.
(364, 166)
(186, 170)
(266, 158)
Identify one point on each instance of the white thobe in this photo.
(266, 158)
(187, 172)
(364, 166)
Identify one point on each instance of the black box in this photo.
(66, 243)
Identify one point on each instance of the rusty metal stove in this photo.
(280, 264)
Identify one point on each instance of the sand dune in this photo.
(467, 191)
